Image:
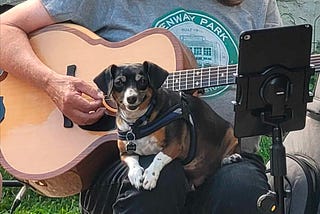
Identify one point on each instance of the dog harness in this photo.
(140, 128)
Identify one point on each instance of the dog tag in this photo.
(131, 147)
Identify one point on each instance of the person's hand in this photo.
(67, 93)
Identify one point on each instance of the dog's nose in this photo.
(132, 99)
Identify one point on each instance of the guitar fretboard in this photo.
(211, 76)
(201, 78)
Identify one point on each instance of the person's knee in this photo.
(167, 197)
(236, 189)
(172, 175)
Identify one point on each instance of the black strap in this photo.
(313, 115)
(312, 174)
(192, 131)
(169, 116)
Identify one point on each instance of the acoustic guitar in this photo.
(40, 147)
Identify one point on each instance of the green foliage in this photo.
(265, 145)
(33, 203)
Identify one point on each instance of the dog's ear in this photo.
(156, 74)
(104, 80)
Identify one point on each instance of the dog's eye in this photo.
(142, 83)
(119, 83)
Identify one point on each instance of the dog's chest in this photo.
(144, 146)
(147, 146)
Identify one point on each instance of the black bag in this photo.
(303, 182)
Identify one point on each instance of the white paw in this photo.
(234, 158)
(150, 178)
(135, 175)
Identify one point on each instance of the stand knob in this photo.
(267, 203)
(275, 92)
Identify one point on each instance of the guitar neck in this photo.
(212, 76)
(201, 77)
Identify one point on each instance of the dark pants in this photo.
(235, 188)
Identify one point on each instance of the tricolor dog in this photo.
(154, 120)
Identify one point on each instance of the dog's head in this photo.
(131, 85)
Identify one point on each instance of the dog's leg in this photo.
(232, 149)
(135, 173)
(233, 158)
(151, 174)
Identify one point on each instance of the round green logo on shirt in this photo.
(208, 39)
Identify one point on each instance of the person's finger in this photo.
(87, 89)
(83, 118)
(84, 105)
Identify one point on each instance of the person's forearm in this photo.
(17, 57)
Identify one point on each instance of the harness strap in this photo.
(174, 113)
(192, 131)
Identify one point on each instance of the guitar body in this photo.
(35, 146)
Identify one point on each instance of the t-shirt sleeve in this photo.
(273, 18)
(62, 10)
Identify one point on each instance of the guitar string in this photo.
(206, 75)
(222, 69)
(314, 59)
(210, 75)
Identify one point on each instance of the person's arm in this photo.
(18, 59)
(273, 17)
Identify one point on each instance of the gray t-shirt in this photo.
(208, 28)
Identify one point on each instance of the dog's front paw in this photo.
(150, 178)
(135, 176)
(234, 158)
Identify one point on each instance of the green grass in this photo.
(34, 203)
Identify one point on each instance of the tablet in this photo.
(273, 80)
